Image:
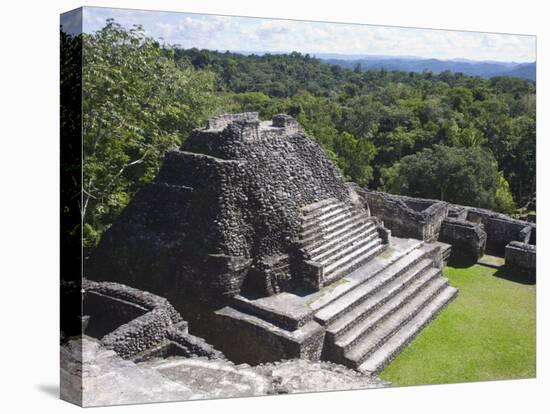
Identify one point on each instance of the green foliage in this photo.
(459, 175)
(354, 157)
(469, 137)
(137, 103)
(504, 202)
(460, 98)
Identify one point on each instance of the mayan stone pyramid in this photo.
(239, 208)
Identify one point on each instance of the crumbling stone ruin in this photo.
(470, 231)
(407, 216)
(138, 325)
(251, 233)
(522, 257)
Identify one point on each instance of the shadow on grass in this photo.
(461, 262)
(516, 275)
(504, 272)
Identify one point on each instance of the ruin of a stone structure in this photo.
(470, 231)
(138, 325)
(251, 233)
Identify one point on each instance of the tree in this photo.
(459, 175)
(354, 158)
(504, 202)
(137, 103)
(460, 98)
(469, 137)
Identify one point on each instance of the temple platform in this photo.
(361, 320)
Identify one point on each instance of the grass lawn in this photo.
(486, 333)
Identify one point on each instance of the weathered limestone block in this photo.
(467, 239)
(457, 212)
(525, 234)
(229, 271)
(312, 274)
(260, 341)
(287, 122)
(521, 256)
(221, 121)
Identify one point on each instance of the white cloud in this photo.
(271, 35)
(71, 22)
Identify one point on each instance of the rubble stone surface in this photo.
(110, 380)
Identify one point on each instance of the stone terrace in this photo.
(362, 320)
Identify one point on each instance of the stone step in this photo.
(332, 310)
(366, 273)
(344, 249)
(280, 267)
(359, 311)
(342, 238)
(349, 255)
(318, 204)
(376, 362)
(362, 349)
(328, 226)
(323, 205)
(324, 215)
(359, 259)
(316, 239)
(366, 325)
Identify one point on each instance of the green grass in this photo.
(487, 333)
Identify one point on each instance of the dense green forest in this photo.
(458, 138)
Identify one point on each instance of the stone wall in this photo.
(264, 341)
(221, 207)
(407, 216)
(501, 229)
(470, 230)
(135, 323)
(221, 121)
(468, 239)
(522, 256)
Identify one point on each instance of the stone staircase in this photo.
(369, 324)
(372, 296)
(338, 238)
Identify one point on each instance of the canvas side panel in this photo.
(70, 202)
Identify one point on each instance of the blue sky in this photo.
(273, 35)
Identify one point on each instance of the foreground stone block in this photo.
(260, 341)
(522, 257)
(111, 380)
(468, 239)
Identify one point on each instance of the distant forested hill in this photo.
(369, 121)
(484, 69)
